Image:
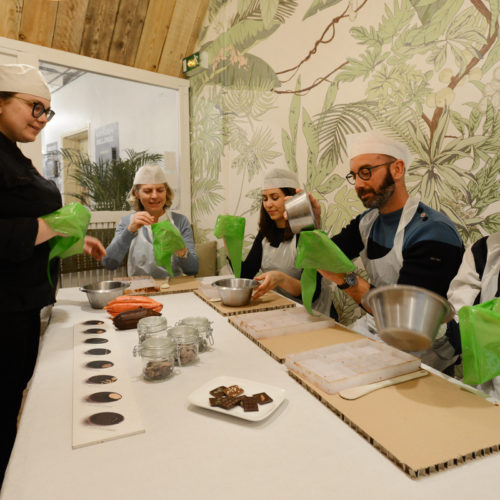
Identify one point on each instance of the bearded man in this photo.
(400, 240)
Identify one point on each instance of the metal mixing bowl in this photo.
(100, 293)
(235, 291)
(300, 213)
(407, 317)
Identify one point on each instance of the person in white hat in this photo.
(477, 282)
(400, 240)
(151, 198)
(25, 196)
(271, 260)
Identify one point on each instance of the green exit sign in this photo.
(194, 63)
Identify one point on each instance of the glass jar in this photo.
(204, 330)
(187, 340)
(158, 357)
(151, 326)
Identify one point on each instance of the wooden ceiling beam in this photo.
(10, 18)
(70, 22)
(98, 29)
(38, 21)
(156, 26)
(127, 33)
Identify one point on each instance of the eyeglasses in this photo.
(38, 109)
(364, 173)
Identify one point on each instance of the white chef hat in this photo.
(280, 178)
(373, 142)
(23, 79)
(150, 174)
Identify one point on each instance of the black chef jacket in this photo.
(24, 196)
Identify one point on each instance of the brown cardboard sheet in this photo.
(280, 347)
(178, 284)
(424, 425)
(270, 300)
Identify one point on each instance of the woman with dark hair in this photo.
(25, 196)
(151, 198)
(274, 249)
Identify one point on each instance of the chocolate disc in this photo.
(98, 352)
(93, 322)
(94, 330)
(102, 379)
(106, 418)
(96, 340)
(101, 363)
(104, 397)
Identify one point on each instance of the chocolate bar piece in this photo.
(233, 390)
(216, 401)
(263, 398)
(249, 403)
(229, 402)
(219, 391)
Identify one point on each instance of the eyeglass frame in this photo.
(351, 176)
(49, 113)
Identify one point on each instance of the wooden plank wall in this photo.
(149, 34)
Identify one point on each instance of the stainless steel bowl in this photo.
(102, 292)
(300, 213)
(235, 291)
(407, 317)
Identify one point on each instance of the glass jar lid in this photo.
(196, 322)
(152, 324)
(184, 334)
(156, 347)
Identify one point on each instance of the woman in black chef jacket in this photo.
(25, 196)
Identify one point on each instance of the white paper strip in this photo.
(122, 416)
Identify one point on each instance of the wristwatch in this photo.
(350, 280)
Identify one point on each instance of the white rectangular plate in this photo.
(200, 397)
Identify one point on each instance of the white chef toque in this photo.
(23, 79)
(280, 178)
(373, 142)
(150, 174)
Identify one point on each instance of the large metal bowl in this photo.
(100, 293)
(235, 291)
(407, 317)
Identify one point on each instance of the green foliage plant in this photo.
(105, 184)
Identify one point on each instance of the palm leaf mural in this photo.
(206, 133)
(205, 196)
(341, 120)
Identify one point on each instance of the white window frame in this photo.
(27, 53)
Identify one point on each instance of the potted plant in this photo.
(105, 184)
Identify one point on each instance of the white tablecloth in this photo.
(302, 451)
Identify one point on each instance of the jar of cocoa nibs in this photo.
(151, 326)
(158, 357)
(204, 328)
(187, 340)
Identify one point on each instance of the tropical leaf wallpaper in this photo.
(288, 80)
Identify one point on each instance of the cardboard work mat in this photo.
(178, 284)
(424, 425)
(280, 347)
(270, 300)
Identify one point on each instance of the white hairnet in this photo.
(373, 142)
(150, 174)
(23, 79)
(280, 178)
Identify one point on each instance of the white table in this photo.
(302, 451)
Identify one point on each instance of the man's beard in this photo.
(382, 195)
